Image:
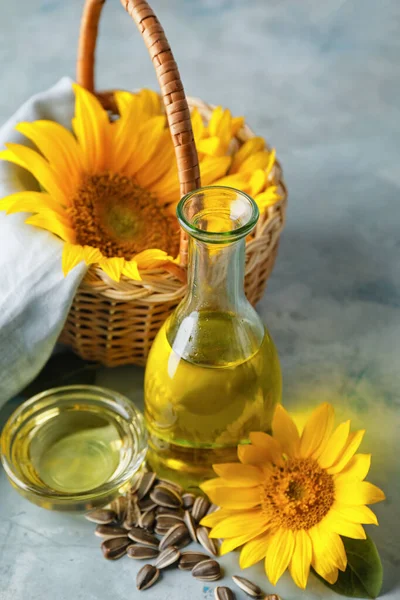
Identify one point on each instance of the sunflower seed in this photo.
(147, 520)
(190, 524)
(146, 484)
(143, 537)
(164, 510)
(188, 500)
(167, 557)
(207, 570)
(109, 532)
(272, 597)
(141, 552)
(136, 481)
(146, 577)
(119, 505)
(208, 543)
(165, 496)
(101, 516)
(189, 559)
(171, 484)
(212, 509)
(223, 593)
(161, 530)
(114, 548)
(250, 588)
(168, 520)
(146, 504)
(200, 507)
(132, 512)
(177, 535)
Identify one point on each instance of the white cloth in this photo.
(35, 297)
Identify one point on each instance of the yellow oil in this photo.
(70, 452)
(206, 393)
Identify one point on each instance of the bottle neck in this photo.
(216, 276)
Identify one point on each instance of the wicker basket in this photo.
(115, 323)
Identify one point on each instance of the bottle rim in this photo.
(218, 237)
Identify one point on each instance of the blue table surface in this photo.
(321, 81)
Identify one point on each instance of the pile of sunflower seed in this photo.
(156, 520)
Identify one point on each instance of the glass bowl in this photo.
(73, 448)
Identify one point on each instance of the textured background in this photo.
(320, 80)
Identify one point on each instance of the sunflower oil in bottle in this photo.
(213, 373)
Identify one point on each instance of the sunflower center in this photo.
(298, 495)
(113, 213)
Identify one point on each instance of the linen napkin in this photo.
(35, 297)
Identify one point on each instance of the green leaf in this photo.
(64, 368)
(363, 575)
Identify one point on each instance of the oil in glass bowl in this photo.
(73, 448)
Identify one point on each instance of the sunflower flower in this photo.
(292, 496)
(108, 188)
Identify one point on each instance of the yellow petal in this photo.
(33, 202)
(71, 256)
(151, 102)
(334, 521)
(259, 160)
(267, 442)
(215, 120)
(357, 514)
(197, 125)
(210, 146)
(258, 181)
(267, 198)
(247, 521)
(232, 543)
(328, 553)
(357, 492)
(272, 158)
(335, 445)
(234, 497)
(353, 442)
(237, 124)
(113, 267)
(92, 255)
(167, 187)
(254, 551)
(92, 129)
(356, 468)
(145, 148)
(251, 146)
(59, 147)
(279, 554)
(217, 482)
(240, 474)
(238, 181)
(51, 222)
(317, 430)
(124, 100)
(131, 270)
(216, 517)
(253, 455)
(39, 167)
(151, 258)
(155, 169)
(285, 431)
(301, 560)
(213, 168)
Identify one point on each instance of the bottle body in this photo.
(200, 405)
(212, 375)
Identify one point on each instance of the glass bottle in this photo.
(213, 373)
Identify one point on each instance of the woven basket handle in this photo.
(173, 94)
